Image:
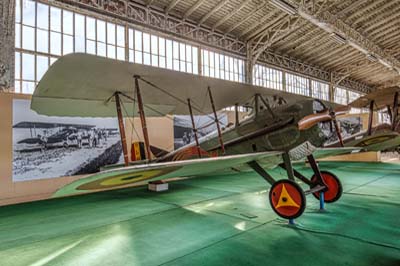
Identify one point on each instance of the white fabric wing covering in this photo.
(81, 84)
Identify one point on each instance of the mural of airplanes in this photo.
(275, 133)
(382, 137)
(62, 136)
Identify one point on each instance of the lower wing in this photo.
(141, 174)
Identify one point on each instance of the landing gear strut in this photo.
(288, 199)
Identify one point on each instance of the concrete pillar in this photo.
(7, 29)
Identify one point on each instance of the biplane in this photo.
(55, 135)
(274, 134)
(382, 137)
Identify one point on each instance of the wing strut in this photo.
(194, 128)
(337, 128)
(142, 117)
(221, 142)
(370, 118)
(121, 128)
(395, 110)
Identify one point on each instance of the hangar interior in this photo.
(338, 53)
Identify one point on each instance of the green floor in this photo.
(220, 220)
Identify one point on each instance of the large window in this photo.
(297, 84)
(320, 90)
(221, 66)
(157, 51)
(44, 33)
(267, 77)
(341, 96)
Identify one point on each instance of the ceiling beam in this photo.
(230, 14)
(212, 11)
(193, 8)
(171, 5)
(331, 24)
(249, 16)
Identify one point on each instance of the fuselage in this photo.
(264, 131)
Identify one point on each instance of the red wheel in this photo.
(335, 188)
(287, 199)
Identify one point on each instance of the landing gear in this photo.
(287, 199)
(334, 187)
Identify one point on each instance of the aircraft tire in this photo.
(335, 188)
(287, 199)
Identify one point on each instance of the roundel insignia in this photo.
(125, 179)
(287, 199)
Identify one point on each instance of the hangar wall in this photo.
(160, 133)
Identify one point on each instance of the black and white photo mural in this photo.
(183, 133)
(48, 147)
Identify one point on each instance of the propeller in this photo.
(324, 116)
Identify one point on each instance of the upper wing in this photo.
(141, 174)
(81, 84)
(381, 98)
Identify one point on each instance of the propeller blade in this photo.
(311, 120)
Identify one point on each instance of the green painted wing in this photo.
(141, 174)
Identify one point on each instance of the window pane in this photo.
(42, 64)
(195, 60)
(188, 53)
(111, 52)
(91, 47)
(68, 24)
(138, 57)
(17, 65)
(182, 51)
(175, 50)
(101, 49)
(131, 56)
(42, 16)
(130, 39)
(79, 25)
(161, 44)
(18, 35)
(42, 41)
(111, 33)
(68, 45)
(28, 67)
(17, 11)
(90, 28)
(28, 38)
(55, 43)
(154, 44)
(120, 36)
(154, 60)
(79, 44)
(138, 40)
(146, 58)
(28, 12)
(120, 53)
(169, 54)
(146, 42)
(55, 19)
(101, 31)
(28, 87)
(162, 61)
